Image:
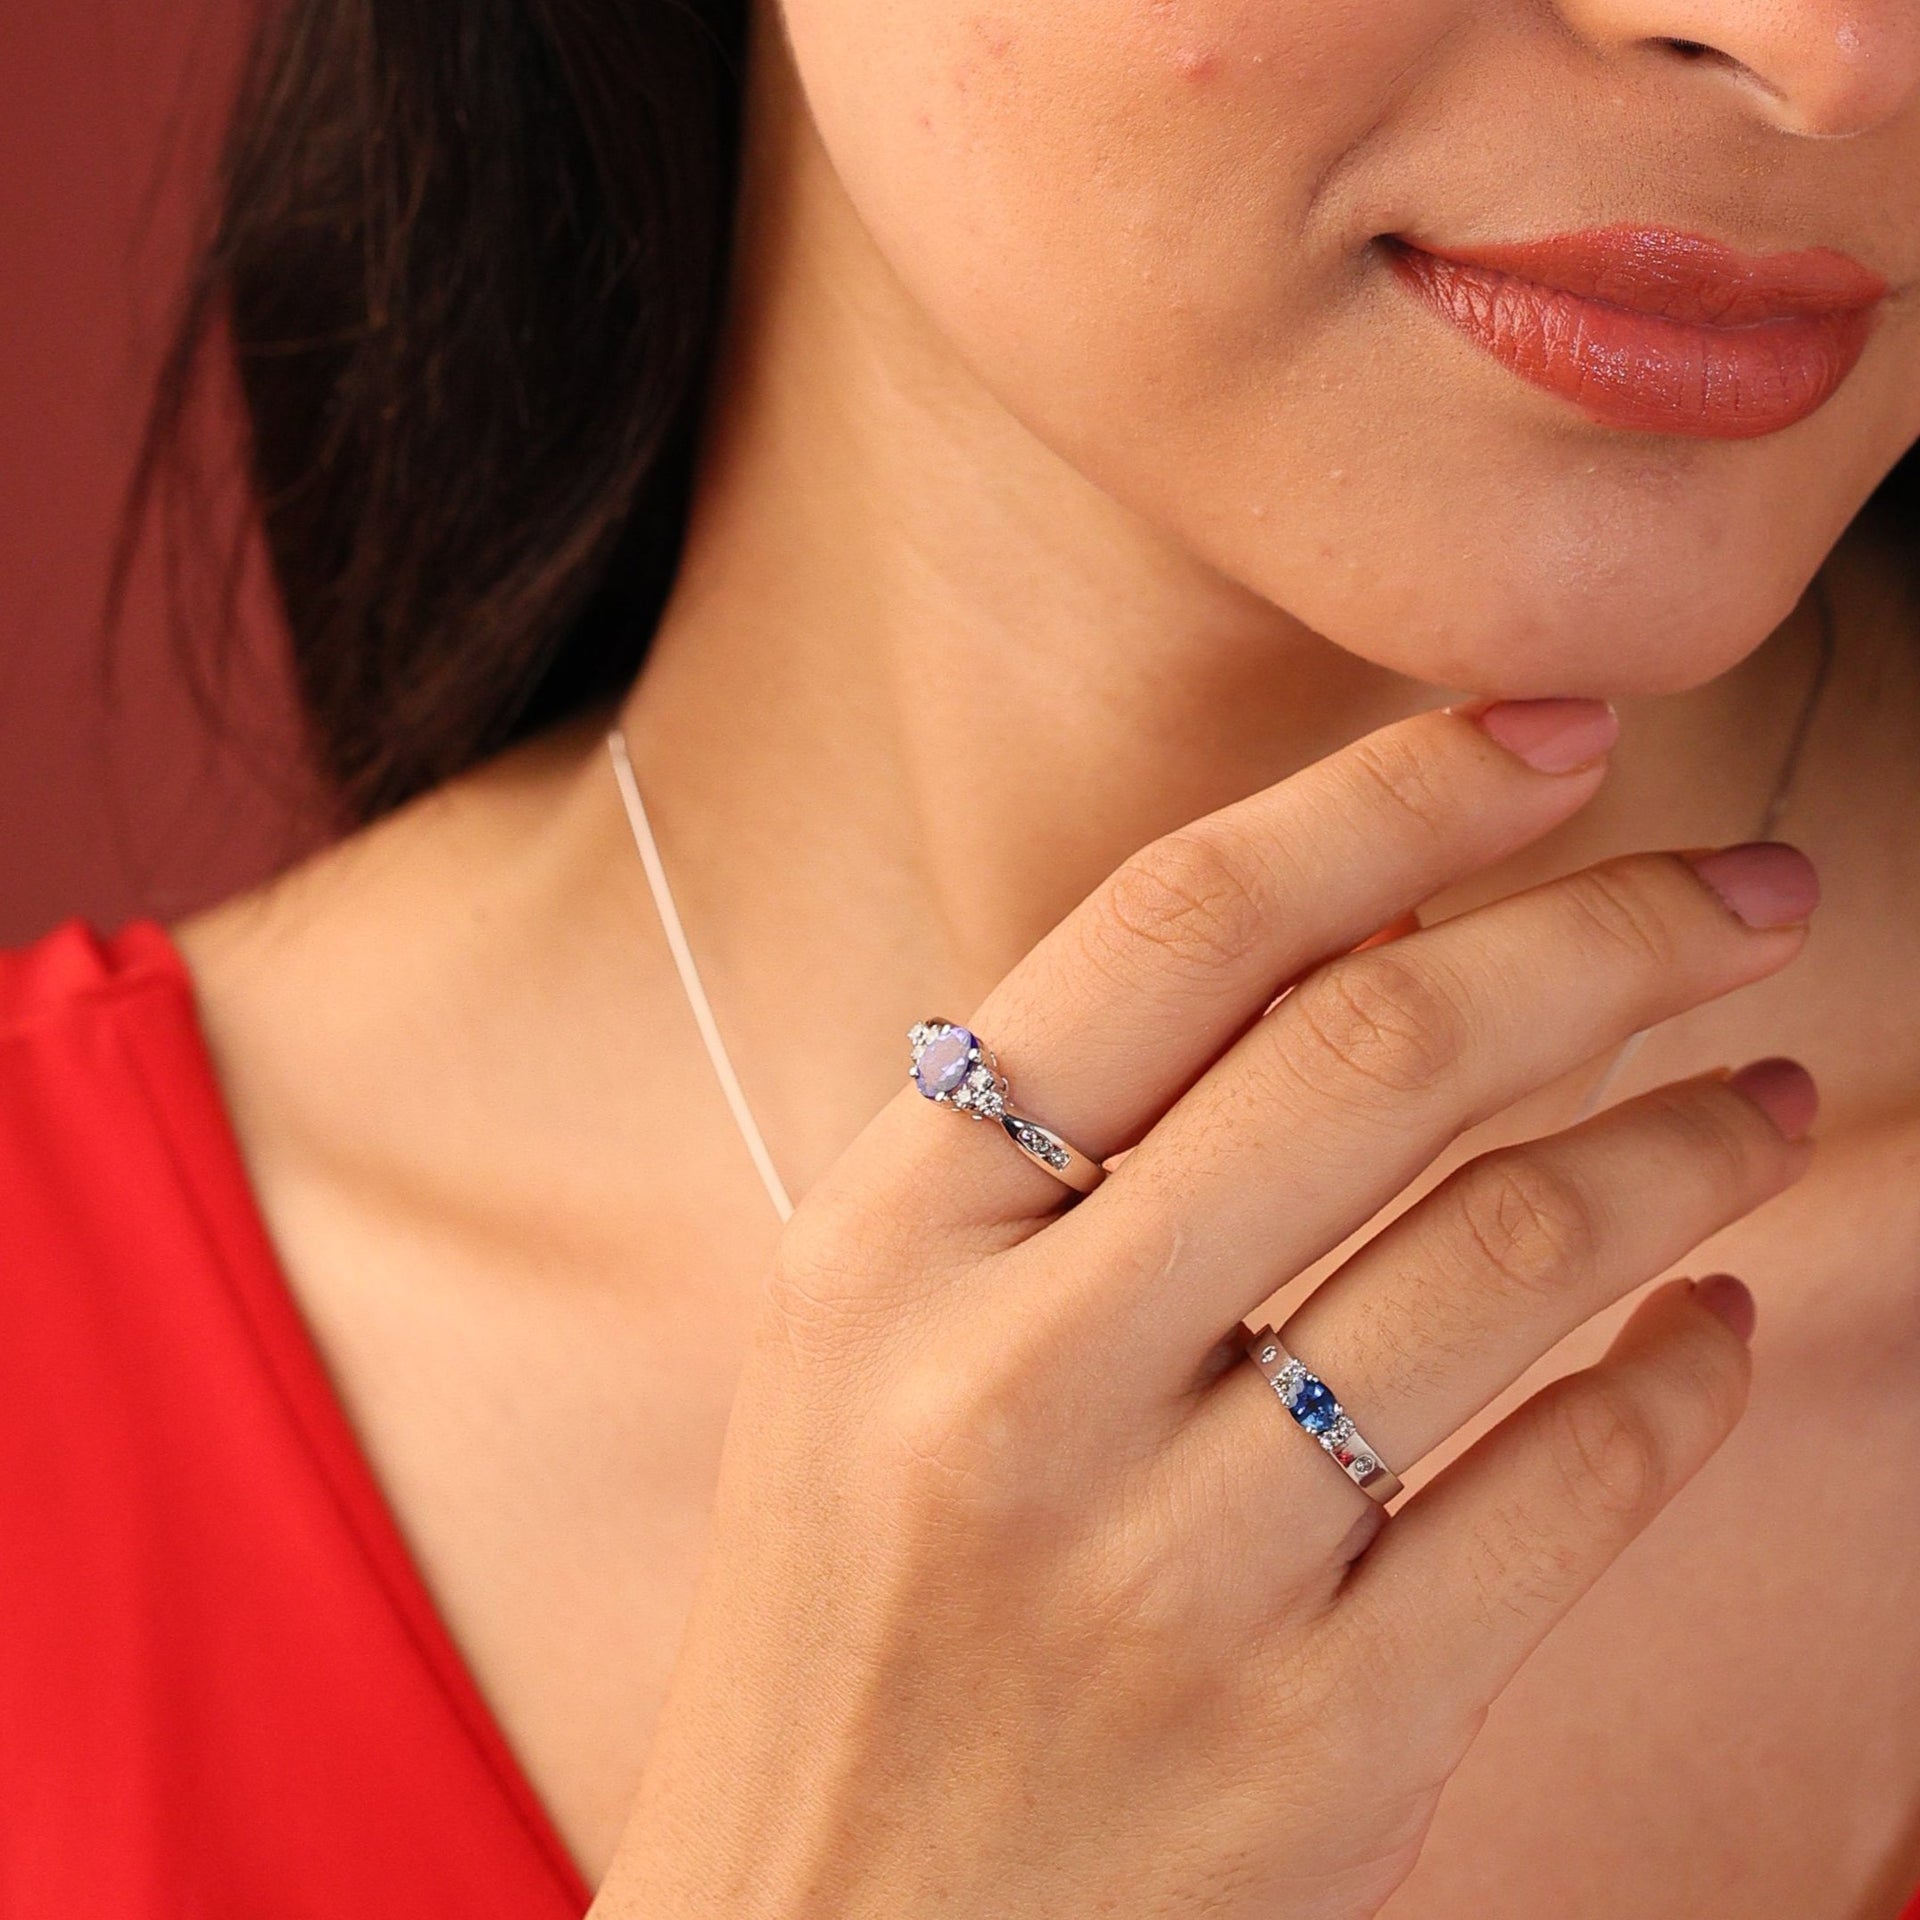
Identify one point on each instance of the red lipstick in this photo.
(1659, 331)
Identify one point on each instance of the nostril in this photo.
(1698, 53)
(1821, 72)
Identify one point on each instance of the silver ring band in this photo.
(1316, 1411)
(953, 1067)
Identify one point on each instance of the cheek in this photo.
(1089, 151)
(1125, 210)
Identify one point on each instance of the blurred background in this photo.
(117, 796)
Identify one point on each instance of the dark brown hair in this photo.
(468, 258)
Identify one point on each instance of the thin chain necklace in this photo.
(690, 975)
(736, 1098)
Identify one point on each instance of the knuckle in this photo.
(1193, 898)
(1529, 1221)
(819, 1294)
(957, 1439)
(937, 1438)
(809, 1281)
(1620, 904)
(1405, 778)
(1609, 1455)
(1375, 1018)
(1151, 1608)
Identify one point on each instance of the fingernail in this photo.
(1730, 1300)
(1551, 736)
(1783, 1090)
(1765, 882)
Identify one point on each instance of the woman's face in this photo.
(1242, 262)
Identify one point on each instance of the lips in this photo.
(1657, 331)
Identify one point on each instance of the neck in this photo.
(922, 684)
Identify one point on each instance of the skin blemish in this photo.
(995, 36)
(1196, 63)
(991, 40)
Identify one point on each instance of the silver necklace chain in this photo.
(736, 1098)
(690, 975)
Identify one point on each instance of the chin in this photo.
(1502, 566)
(1506, 619)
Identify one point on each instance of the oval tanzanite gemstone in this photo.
(1313, 1405)
(942, 1063)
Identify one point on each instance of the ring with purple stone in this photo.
(951, 1066)
(1313, 1406)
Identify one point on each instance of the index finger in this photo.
(1105, 1023)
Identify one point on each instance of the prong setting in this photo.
(952, 1067)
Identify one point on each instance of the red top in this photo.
(224, 1689)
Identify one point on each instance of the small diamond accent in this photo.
(1037, 1143)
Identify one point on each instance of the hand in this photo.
(1025, 1597)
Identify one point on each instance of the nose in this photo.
(1818, 67)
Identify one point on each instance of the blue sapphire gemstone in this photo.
(1313, 1405)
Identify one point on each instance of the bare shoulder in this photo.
(399, 1010)
(416, 872)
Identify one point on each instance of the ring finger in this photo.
(1451, 1303)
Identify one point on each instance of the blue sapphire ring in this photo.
(1316, 1411)
(952, 1067)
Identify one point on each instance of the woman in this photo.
(1175, 493)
